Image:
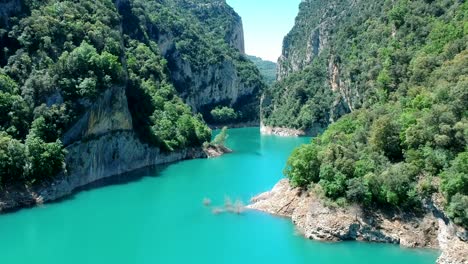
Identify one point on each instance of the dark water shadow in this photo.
(121, 179)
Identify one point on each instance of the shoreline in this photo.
(85, 170)
(236, 125)
(282, 131)
(316, 221)
(15, 198)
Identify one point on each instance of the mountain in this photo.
(91, 89)
(267, 69)
(383, 86)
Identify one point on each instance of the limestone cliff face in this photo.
(212, 85)
(220, 74)
(102, 143)
(312, 37)
(226, 21)
(311, 34)
(236, 36)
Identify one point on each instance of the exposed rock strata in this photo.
(215, 84)
(316, 221)
(281, 131)
(290, 132)
(94, 160)
(214, 151)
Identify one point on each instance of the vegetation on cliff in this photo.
(58, 57)
(267, 69)
(404, 66)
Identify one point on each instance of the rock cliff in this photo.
(318, 40)
(206, 73)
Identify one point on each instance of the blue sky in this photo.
(266, 22)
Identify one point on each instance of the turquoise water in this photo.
(160, 218)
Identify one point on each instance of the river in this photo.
(157, 216)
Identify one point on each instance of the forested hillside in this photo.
(72, 72)
(267, 69)
(400, 69)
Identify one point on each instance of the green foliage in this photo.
(220, 139)
(303, 166)
(171, 125)
(458, 209)
(45, 160)
(299, 101)
(14, 111)
(385, 136)
(34, 160)
(222, 115)
(59, 57)
(85, 73)
(401, 68)
(267, 69)
(455, 178)
(12, 159)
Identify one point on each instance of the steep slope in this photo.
(391, 79)
(267, 69)
(352, 53)
(91, 89)
(197, 39)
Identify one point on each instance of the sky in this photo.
(266, 22)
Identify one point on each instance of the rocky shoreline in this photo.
(214, 151)
(319, 222)
(17, 197)
(282, 131)
(255, 123)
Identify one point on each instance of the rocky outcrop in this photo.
(317, 221)
(281, 131)
(216, 84)
(311, 34)
(236, 37)
(291, 132)
(214, 151)
(316, 39)
(109, 113)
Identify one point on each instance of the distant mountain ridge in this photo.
(267, 68)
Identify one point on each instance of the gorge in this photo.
(94, 94)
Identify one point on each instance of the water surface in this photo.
(160, 218)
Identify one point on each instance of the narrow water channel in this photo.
(159, 217)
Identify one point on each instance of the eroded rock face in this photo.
(109, 113)
(213, 85)
(101, 144)
(316, 221)
(93, 160)
(236, 37)
(291, 132)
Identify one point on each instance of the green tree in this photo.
(223, 114)
(303, 166)
(45, 160)
(12, 159)
(385, 136)
(220, 139)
